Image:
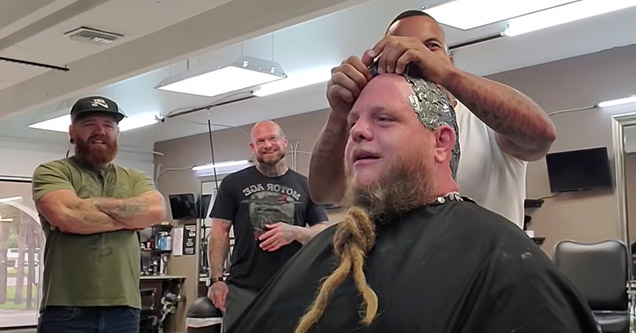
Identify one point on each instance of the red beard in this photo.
(96, 155)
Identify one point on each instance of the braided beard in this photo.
(407, 185)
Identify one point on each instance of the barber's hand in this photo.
(347, 80)
(395, 52)
(217, 293)
(278, 235)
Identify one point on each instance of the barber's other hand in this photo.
(278, 235)
(347, 80)
(395, 52)
(217, 293)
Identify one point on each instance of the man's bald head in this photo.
(266, 126)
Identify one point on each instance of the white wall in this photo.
(19, 159)
(581, 81)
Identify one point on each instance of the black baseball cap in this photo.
(96, 105)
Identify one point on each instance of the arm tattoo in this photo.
(326, 168)
(524, 126)
(123, 209)
(218, 248)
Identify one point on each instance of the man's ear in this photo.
(71, 134)
(445, 139)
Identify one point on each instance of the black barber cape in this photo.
(454, 267)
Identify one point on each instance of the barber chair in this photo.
(600, 273)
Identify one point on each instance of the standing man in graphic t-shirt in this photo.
(90, 208)
(272, 214)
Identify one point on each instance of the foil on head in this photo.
(432, 107)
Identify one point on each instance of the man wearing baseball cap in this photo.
(90, 208)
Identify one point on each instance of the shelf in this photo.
(162, 277)
(155, 250)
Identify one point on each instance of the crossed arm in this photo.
(65, 211)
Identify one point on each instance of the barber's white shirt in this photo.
(491, 177)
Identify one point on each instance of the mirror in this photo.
(624, 139)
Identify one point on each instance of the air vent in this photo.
(93, 36)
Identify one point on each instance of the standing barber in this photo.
(500, 129)
(90, 208)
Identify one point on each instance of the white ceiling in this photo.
(162, 38)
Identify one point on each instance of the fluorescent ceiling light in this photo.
(296, 80)
(564, 14)
(60, 124)
(244, 73)
(469, 14)
(5, 220)
(616, 102)
(18, 198)
(222, 167)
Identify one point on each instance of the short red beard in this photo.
(95, 157)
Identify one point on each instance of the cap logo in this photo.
(99, 102)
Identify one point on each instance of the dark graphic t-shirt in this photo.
(251, 200)
(454, 267)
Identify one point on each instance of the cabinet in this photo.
(156, 245)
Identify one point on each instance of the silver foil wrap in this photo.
(432, 107)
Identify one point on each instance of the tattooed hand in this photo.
(278, 235)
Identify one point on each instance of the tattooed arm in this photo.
(523, 129)
(135, 213)
(218, 245)
(65, 211)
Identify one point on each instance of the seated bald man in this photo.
(413, 255)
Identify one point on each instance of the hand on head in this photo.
(394, 53)
(413, 38)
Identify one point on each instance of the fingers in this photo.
(274, 247)
(394, 53)
(221, 304)
(405, 59)
(351, 75)
(267, 234)
(369, 56)
(361, 68)
(223, 299)
(268, 244)
(390, 55)
(218, 297)
(336, 91)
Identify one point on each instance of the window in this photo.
(21, 253)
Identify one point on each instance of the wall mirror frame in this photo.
(619, 125)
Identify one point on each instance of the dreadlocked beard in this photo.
(406, 186)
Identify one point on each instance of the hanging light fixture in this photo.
(244, 73)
